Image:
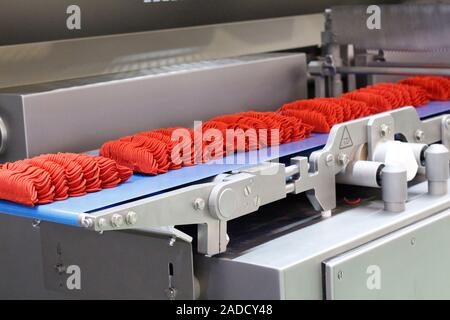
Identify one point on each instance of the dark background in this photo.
(23, 21)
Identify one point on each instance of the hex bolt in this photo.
(329, 160)
(131, 218)
(420, 135)
(101, 223)
(171, 293)
(199, 204)
(247, 190)
(437, 158)
(343, 159)
(385, 130)
(36, 223)
(394, 187)
(116, 220)
(86, 222)
(60, 268)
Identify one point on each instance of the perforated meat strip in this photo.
(74, 173)
(91, 170)
(57, 174)
(437, 88)
(254, 130)
(54, 177)
(40, 179)
(18, 187)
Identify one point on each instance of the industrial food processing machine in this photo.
(360, 213)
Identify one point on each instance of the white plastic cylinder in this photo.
(361, 173)
(419, 152)
(397, 153)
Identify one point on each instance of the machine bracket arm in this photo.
(348, 155)
(210, 205)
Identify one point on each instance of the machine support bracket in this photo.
(356, 153)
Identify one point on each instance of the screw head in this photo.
(385, 130)
(330, 160)
(420, 136)
(131, 218)
(340, 275)
(343, 159)
(171, 293)
(413, 241)
(101, 223)
(60, 268)
(172, 241)
(86, 222)
(116, 220)
(36, 223)
(199, 204)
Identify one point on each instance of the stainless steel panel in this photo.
(412, 263)
(61, 117)
(60, 60)
(224, 279)
(115, 265)
(21, 267)
(46, 19)
(411, 27)
(295, 259)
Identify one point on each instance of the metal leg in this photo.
(212, 237)
(394, 187)
(437, 169)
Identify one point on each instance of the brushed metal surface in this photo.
(40, 62)
(124, 265)
(46, 19)
(408, 27)
(411, 263)
(292, 263)
(80, 116)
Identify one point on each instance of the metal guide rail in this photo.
(355, 153)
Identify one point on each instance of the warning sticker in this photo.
(346, 140)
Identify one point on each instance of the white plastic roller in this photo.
(397, 153)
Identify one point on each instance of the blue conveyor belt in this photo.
(139, 186)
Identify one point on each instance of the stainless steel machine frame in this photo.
(351, 48)
(393, 245)
(291, 265)
(213, 204)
